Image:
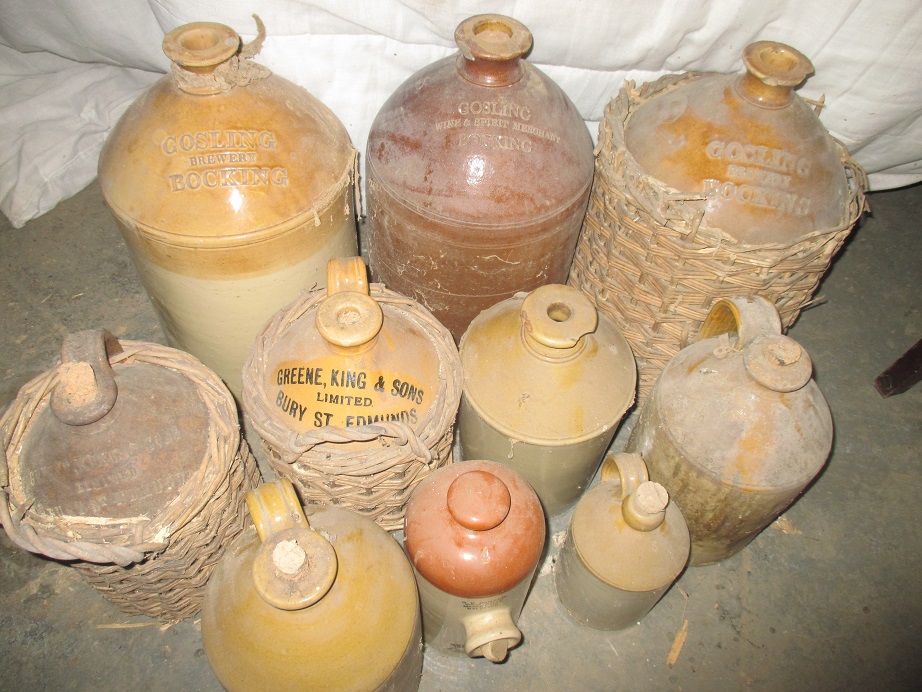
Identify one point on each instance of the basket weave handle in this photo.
(748, 316)
(27, 538)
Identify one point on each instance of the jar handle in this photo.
(349, 318)
(275, 507)
(628, 470)
(347, 274)
(748, 316)
(86, 389)
(295, 566)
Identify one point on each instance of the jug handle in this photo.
(295, 566)
(628, 470)
(347, 274)
(748, 316)
(349, 319)
(86, 389)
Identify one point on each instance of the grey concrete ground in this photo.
(832, 602)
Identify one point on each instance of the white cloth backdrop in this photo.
(69, 68)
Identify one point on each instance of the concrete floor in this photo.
(833, 602)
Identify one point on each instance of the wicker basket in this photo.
(146, 565)
(648, 261)
(373, 479)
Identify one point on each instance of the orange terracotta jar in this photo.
(474, 533)
(765, 167)
(479, 169)
(232, 188)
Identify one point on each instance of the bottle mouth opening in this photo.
(559, 311)
(201, 44)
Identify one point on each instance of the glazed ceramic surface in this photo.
(479, 169)
(474, 533)
(322, 601)
(765, 166)
(232, 188)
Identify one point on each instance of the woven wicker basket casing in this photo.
(370, 469)
(155, 565)
(650, 262)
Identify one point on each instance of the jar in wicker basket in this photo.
(708, 187)
(126, 460)
(354, 391)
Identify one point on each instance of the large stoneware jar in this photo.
(312, 599)
(479, 169)
(735, 427)
(232, 188)
(709, 187)
(766, 168)
(546, 382)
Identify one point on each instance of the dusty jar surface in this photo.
(479, 169)
(764, 165)
(735, 428)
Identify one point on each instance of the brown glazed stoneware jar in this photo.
(765, 167)
(232, 188)
(474, 533)
(314, 598)
(479, 170)
(626, 545)
(546, 382)
(735, 428)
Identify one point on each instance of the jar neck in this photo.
(490, 73)
(753, 90)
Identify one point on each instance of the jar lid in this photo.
(474, 529)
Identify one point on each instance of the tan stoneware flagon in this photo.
(312, 598)
(474, 533)
(479, 169)
(232, 188)
(765, 166)
(626, 545)
(125, 459)
(354, 390)
(735, 427)
(546, 382)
